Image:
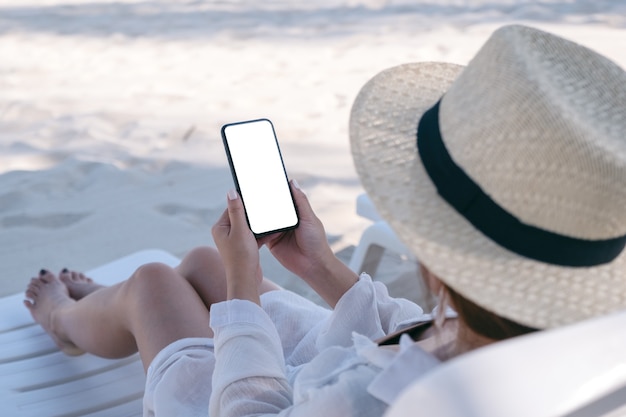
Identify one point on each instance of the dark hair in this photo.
(484, 322)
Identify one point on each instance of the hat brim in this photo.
(383, 128)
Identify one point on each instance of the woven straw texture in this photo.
(540, 124)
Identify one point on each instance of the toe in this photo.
(46, 277)
(34, 284)
(65, 276)
(31, 293)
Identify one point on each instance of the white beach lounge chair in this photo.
(574, 371)
(36, 379)
(375, 240)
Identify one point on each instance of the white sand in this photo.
(110, 111)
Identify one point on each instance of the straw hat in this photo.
(529, 144)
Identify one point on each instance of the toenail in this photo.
(64, 271)
(42, 272)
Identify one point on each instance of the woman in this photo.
(512, 199)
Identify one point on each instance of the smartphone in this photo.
(260, 176)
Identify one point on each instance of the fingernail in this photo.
(64, 271)
(42, 272)
(232, 195)
(295, 184)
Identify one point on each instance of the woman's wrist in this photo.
(239, 292)
(244, 286)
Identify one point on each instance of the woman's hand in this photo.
(305, 252)
(303, 249)
(239, 250)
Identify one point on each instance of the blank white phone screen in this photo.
(261, 176)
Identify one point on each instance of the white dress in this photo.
(291, 357)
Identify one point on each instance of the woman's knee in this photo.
(151, 278)
(200, 264)
(202, 257)
(202, 251)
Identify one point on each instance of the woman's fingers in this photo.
(221, 228)
(232, 220)
(302, 202)
(236, 213)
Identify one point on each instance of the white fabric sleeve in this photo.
(249, 376)
(368, 309)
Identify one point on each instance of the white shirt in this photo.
(293, 358)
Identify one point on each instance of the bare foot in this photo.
(78, 284)
(46, 296)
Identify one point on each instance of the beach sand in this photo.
(110, 112)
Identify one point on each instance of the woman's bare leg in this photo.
(202, 267)
(156, 306)
(152, 309)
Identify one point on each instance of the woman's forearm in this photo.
(331, 279)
